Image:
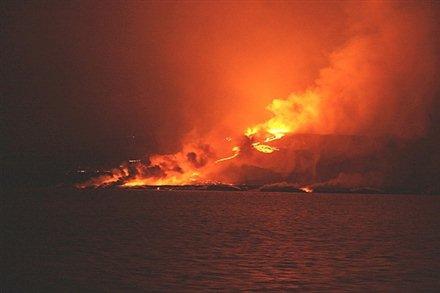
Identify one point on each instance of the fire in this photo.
(195, 163)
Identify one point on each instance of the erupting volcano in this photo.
(198, 163)
(371, 106)
(220, 145)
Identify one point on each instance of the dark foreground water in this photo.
(122, 240)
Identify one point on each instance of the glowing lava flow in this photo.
(307, 189)
(235, 150)
(264, 148)
(196, 163)
(289, 115)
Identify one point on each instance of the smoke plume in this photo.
(371, 106)
(385, 79)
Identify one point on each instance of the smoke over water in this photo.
(366, 121)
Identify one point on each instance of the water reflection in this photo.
(121, 239)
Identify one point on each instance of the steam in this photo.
(368, 107)
(170, 169)
(379, 89)
(384, 80)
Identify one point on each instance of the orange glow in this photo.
(307, 189)
(236, 152)
(170, 180)
(105, 180)
(289, 116)
(373, 85)
(264, 148)
(194, 164)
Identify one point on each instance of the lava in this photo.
(373, 87)
(307, 189)
(236, 153)
(193, 164)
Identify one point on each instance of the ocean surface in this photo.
(145, 240)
